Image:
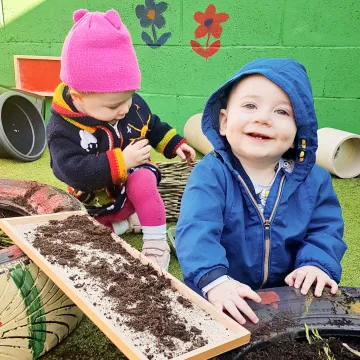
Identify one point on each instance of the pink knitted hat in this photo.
(98, 55)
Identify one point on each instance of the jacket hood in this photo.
(291, 77)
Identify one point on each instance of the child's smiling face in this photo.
(258, 122)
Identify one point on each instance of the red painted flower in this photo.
(210, 22)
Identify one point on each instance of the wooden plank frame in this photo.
(18, 80)
(240, 335)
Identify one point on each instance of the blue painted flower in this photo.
(151, 13)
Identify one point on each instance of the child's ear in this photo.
(75, 95)
(222, 122)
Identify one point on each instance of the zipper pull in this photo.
(117, 131)
(267, 229)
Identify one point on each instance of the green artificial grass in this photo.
(348, 192)
(87, 341)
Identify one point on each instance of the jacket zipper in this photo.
(116, 129)
(118, 134)
(267, 223)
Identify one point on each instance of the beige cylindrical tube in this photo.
(339, 152)
(195, 136)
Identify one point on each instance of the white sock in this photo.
(157, 233)
(120, 227)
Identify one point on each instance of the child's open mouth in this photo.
(258, 136)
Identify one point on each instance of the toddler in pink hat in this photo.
(101, 131)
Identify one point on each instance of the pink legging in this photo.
(143, 198)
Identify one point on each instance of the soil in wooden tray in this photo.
(138, 301)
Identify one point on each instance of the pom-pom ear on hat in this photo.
(78, 14)
(114, 18)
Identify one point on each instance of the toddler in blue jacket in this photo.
(257, 212)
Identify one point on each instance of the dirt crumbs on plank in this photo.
(133, 296)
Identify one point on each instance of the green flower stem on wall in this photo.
(154, 32)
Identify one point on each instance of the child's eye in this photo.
(249, 106)
(113, 107)
(282, 112)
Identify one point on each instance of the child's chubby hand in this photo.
(137, 153)
(230, 295)
(305, 276)
(185, 153)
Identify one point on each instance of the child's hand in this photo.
(230, 295)
(185, 153)
(306, 276)
(137, 153)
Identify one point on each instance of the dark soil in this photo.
(152, 311)
(288, 349)
(278, 324)
(274, 343)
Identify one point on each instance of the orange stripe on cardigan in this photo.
(59, 104)
(117, 166)
(58, 99)
(90, 129)
(63, 109)
(166, 139)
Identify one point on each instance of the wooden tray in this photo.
(239, 335)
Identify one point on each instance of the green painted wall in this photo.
(322, 34)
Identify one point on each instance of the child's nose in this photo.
(262, 118)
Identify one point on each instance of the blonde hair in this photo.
(81, 93)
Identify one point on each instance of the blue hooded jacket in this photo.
(221, 231)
